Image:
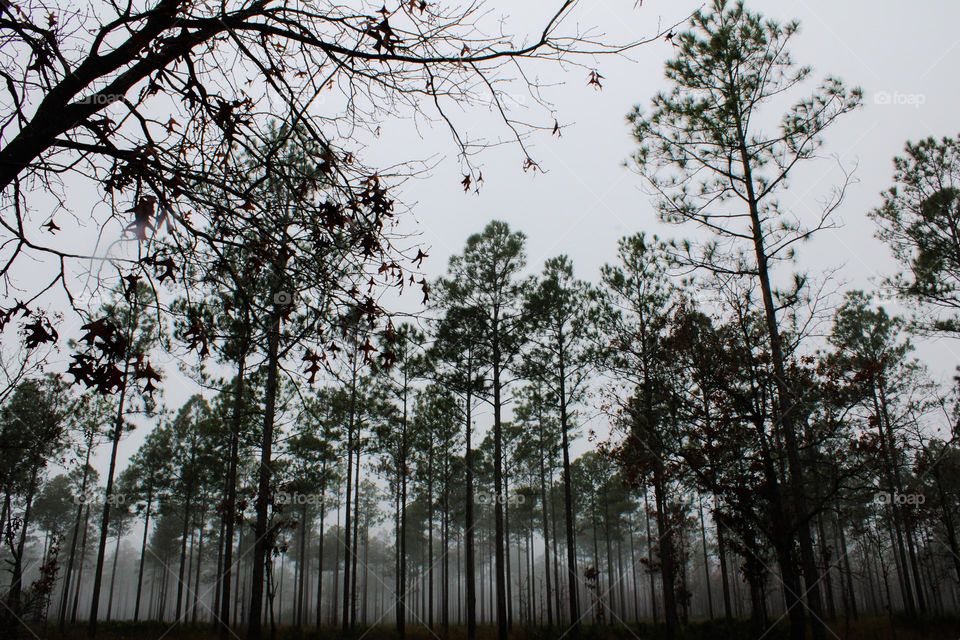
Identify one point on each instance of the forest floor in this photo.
(864, 629)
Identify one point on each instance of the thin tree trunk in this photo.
(336, 575)
(471, 587)
(546, 533)
(65, 592)
(260, 551)
(430, 536)
(302, 567)
(323, 513)
(348, 550)
(508, 574)
(445, 595)
(574, 610)
(143, 555)
(183, 544)
(653, 586)
(500, 559)
(196, 582)
(230, 505)
(113, 575)
(706, 560)
(948, 522)
(402, 548)
(83, 558)
(108, 498)
(16, 581)
(356, 539)
(724, 575)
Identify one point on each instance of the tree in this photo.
(315, 251)
(634, 315)
(485, 280)
(120, 518)
(312, 457)
(919, 220)
(137, 102)
(436, 414)
(562, 360)
(91, 412)
(456, 364)
(52, 510)
(873, 357)
(149, 469)
(54, 505)
(703, 154)
(396, 442)
(189, 441)
(537, 412)
(723, 438)
(114, 359)
(224, 322)
(32, 433)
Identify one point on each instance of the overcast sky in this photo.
(903, 55)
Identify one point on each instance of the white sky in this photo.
(587, 199)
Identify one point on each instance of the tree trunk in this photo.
(948, 522)
(508, 574)
(842, 539)
(347, 549)
(16, 581)
(430, 536)
(254, 622)
(83, 558)
(196, 581)
(301, 568)
(501, 587)
(65, 596)
(784, 415)
(143, 555)
(356, 539)
(113, 575)
(471, 588)
(402, 547)
(546, 534)
(653, 585)
(667, 552)
(323, 513)
(183, 547)
(724, 575)
(108, 498)
(610, 591)
(706, 560)
(230, 506)
(568, 513)
(893, 482)
(445, 595)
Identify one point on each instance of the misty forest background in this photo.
(698, 441)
